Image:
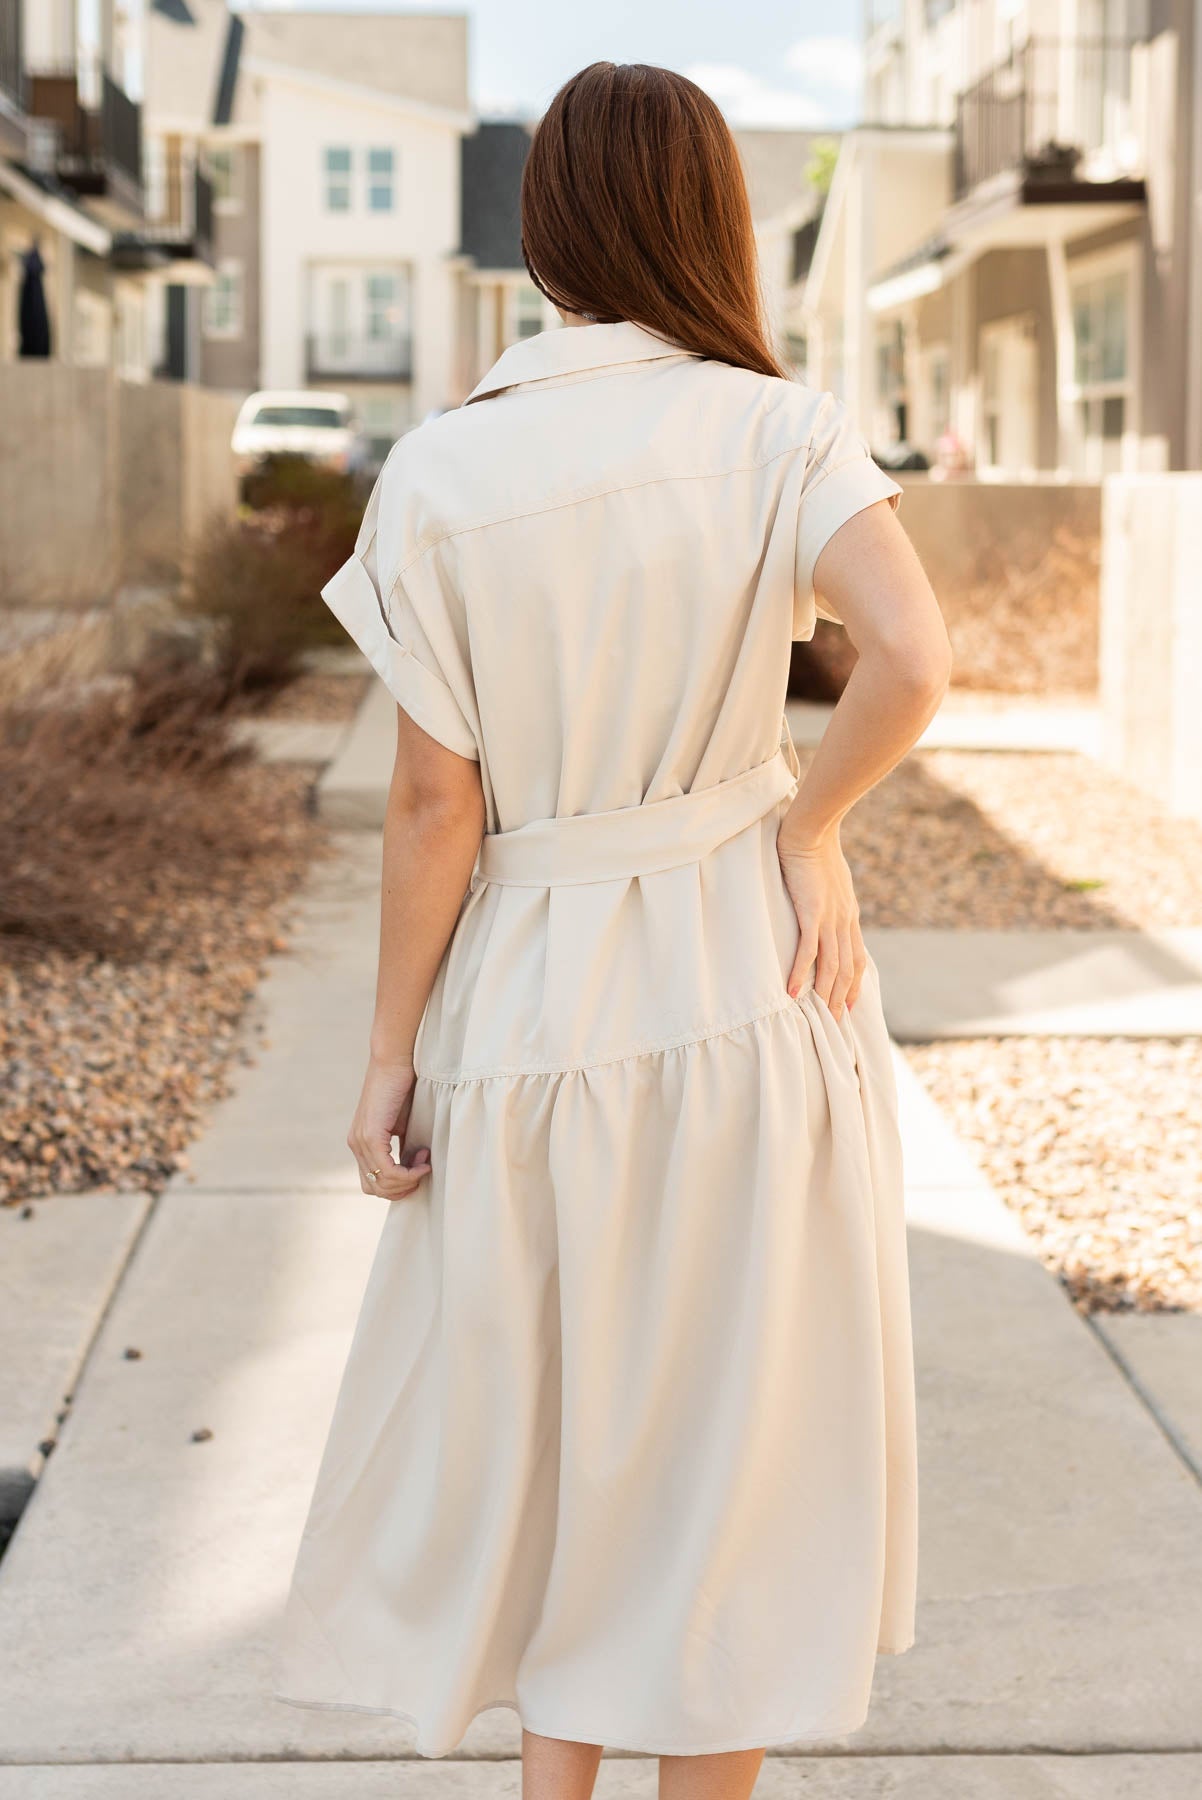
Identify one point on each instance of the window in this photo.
(338, 316)
(381, 307)
(225, 172)
(527, 310)
(358, 321)
(1102, 363)
(379, 180)
(338, 178)
(223, 302)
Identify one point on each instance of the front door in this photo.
(1009, 393)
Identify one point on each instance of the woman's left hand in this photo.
(828, 916)
(381, 1115)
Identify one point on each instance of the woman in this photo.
(625, 1440)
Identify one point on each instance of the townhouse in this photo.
(71, 186)
(1008, 272)
(332, 142)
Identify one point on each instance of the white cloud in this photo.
(835, 62)
(746, 99)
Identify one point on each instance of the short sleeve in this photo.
(400, 625)
(840, 481)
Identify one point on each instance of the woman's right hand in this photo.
(382, 1114)
(828, 916)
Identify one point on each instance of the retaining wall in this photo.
(1016, 568)
(104, 483)
(1152, 635)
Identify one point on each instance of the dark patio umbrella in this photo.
(33, 320)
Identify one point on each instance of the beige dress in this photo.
(625, 1440)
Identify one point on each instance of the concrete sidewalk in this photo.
(1040, 983)
(1058, 1652)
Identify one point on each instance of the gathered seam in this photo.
(684, 1041)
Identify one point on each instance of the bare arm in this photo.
(871, 578)
(432, 829)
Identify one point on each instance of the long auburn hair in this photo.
(634, 206)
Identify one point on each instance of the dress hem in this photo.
(760, 1740)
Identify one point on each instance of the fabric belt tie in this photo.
(636, 840)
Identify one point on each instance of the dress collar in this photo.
(573, 350)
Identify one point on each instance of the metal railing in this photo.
(338, 356)
(12, 71)
(202, 214)
(1053, 101)
(94, 139)
(120, 129)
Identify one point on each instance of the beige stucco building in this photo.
(1008, 267)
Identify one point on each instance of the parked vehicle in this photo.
(317, 427)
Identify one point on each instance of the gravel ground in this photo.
(108, 1069)
(1007, 841)
(1096, 1143)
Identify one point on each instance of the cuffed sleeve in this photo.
(369, 609)
(841, 481)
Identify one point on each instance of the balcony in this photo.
(93, 144)
(1053, 105)
(180, 242)
(337, 356)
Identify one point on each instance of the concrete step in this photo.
(1162, 1356)
(960, 725)
(938, 984)
(625, 1778)
(60, 1259)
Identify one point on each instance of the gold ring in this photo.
(372, 1173)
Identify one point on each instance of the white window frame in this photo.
(373, 180)
(1082, 270)
(233, 201)
(223, 330)
(338, 178)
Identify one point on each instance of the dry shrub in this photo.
(123, 798)
(255, 587)
(1025, 618)
(1022, 618)
(293, 485)
(119, 801)
(257, 596)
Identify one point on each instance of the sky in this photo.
(766, 62)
